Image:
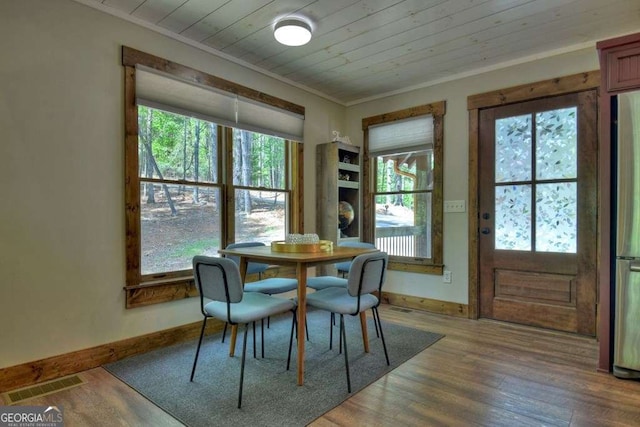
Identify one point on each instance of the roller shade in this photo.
(412, 134)
(225, 108)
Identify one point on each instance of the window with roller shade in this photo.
(404, 173)
(209, 163)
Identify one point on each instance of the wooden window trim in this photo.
(437, 110)
(145, 290)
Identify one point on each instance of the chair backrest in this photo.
(252, 267)
(345, 265)
(367, 274)
(217, 279)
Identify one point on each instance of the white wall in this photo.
(62, 252)
(62, 249)
(456, 142)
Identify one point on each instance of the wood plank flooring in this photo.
(483, 373)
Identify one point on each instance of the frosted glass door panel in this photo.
(513, 217)
(556, 217)
(513, 149)
(557, 144)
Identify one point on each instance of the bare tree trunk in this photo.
(167, 194)
(196, 163)
(398, 183)
(187, 121)
(245, 155)
(149, 188)
(213, 159)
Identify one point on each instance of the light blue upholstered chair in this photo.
(323, 282)
(367, 275)
(222, 297)
(343, 267)
(269, 286)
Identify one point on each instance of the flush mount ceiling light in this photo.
(292, 32)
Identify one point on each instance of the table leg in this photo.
(365, 336)
(234, 328)
(301, 274)
(232, 345)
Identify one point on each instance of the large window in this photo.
(403, 175)
(207, 163)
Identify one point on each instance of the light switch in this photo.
(454, 206)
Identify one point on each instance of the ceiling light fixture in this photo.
(292, 32)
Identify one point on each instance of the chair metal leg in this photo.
(262, 336)
(376, 315)
(306, 327)
(340, 343)
(375, 322)
(346, 357)
(294, 326)
(244, 354)
(331, 332)
(224, 331)
(193, 370)
(254, 340)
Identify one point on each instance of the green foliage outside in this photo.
(180, 171)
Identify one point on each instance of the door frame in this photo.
(527, 92)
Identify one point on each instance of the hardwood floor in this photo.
(483, 373)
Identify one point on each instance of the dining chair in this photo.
(269, 286)
(323, 282)
(343, 267)
(367, 275)
(222, 297)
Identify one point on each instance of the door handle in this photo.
(485, 230)
(486, 215)
(635, 268)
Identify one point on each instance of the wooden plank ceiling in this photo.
(362, 49)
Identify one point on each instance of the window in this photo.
(403, 179)
(261, 193)
(207, 163)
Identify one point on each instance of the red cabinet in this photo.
(620, 63)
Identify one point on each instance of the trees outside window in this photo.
(180, 203)
(260, 187)
(181, 207)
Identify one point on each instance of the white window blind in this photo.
(224, 108)
(412, 134)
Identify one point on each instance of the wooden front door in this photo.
(537, 200)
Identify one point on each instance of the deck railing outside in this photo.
(402, 241)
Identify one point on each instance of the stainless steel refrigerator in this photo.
(626, 352)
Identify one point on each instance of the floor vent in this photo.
(404, 310)
(42, 389)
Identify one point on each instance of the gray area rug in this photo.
(271, 396)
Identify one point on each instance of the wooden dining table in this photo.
(301, 261)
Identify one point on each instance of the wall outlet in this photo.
(446, 276)
(454, 206)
